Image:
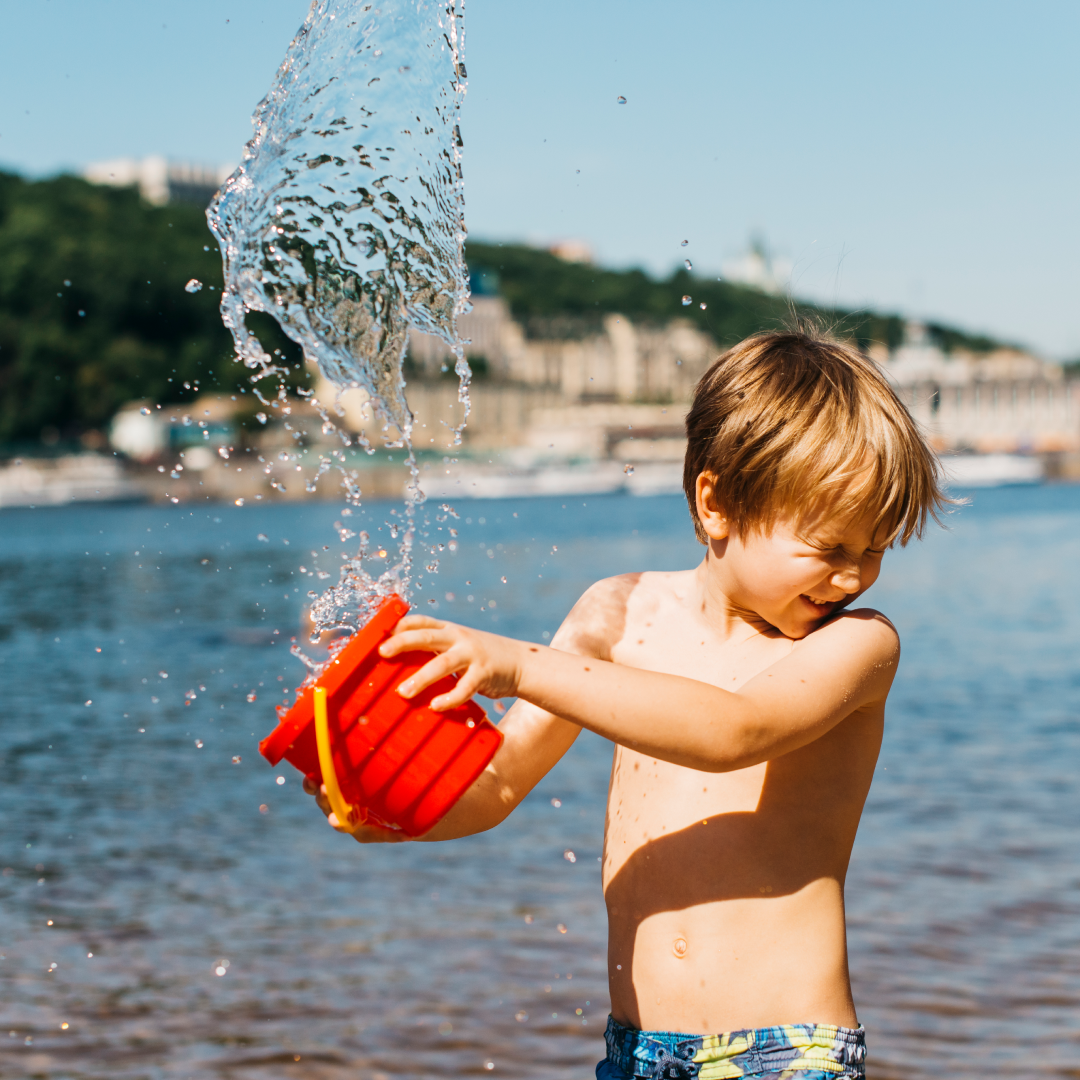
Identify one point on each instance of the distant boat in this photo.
(587, 478)
(64, 480)
(992, 470)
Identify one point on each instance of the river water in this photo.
(485, 956)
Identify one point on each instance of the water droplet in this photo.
(261, 417)
(280, 780)
(252, 695)
(628, 469)
(620, 100)
(89, 702)
(521, 1016)
(556, 803)
(263, 808)
(263, 538)
(489, 1065)
(684, 243)
(569, 856)
(193, 286)
(163, 674)
(446, 1028)
(145, 411)
(190, 695)
(561, 927)
(702, 305)
(64, 1026)
(223, 451)
(687, 301)
(198, 744)
(236, 759)
(688, 264)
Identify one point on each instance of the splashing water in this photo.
(345, 223)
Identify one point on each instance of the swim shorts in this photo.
(787, 1052)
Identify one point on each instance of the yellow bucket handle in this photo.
(349, 817)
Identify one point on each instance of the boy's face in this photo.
(802, 572)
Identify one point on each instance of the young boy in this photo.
(746, 704)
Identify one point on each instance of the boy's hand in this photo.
(489, 664)
(362, 834)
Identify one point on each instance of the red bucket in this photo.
(395, 761)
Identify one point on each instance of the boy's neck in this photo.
(728, 619)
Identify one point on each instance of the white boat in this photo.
(63, 480)
(991, 470)
(588, 478)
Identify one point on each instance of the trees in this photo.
(93, 310)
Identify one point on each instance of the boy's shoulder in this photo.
(601, 617)
(856, 645)
(856, 624)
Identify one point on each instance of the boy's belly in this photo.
(725, 891)
(734, 964)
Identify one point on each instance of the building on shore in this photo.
(161, 181)
(1004, 401)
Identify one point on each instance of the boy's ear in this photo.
(712, 517)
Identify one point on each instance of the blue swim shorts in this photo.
(787, 1052)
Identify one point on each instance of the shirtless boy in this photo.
(746, 701)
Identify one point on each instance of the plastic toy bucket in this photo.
(395, 761)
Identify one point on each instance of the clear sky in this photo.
(917, 156)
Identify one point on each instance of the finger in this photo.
(376, 834)
(466, 686)
(434, 670)
(321, 801)
(428, 639)
(418, 622)
(310, 787)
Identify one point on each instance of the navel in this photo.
(679, 947)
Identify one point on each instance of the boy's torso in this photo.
(725, 890)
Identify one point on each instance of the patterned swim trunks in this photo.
(787, 1052)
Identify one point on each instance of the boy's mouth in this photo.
(821, 605)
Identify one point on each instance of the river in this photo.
(129, 832)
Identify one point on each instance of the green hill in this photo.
(93, 311)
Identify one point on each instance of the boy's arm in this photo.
(845, 665)
(534, 738)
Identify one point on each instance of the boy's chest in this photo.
(678, 644)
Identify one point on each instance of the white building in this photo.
(161, 181)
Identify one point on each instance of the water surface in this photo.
(434, 960)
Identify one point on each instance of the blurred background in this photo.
(644, 187)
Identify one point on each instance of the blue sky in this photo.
(920, 157)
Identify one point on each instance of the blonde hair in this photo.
(787, 420)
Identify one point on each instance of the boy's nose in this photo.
(849, 579)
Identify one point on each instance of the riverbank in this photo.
(198, 474)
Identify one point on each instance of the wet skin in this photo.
(747, 711)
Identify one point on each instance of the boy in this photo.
(746, 706)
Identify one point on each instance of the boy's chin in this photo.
(796, 625)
